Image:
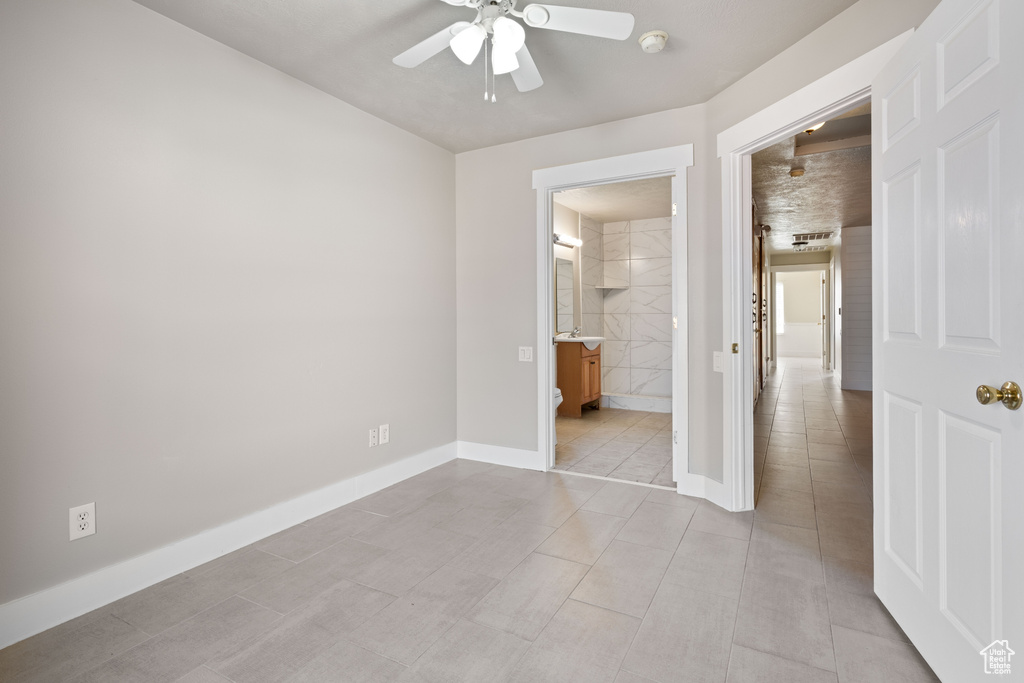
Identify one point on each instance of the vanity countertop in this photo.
(590, 342)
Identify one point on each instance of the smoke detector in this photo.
(653, 41)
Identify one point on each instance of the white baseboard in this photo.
(648, 404)
(35, 613)
(501, 455)
(698, 486)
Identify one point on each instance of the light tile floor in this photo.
(628, 445)
(473, 572)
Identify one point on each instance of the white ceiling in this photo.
(629, 201)
(345, 49)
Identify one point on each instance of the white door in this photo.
(823, 321)
(948, 128)
(831, 315)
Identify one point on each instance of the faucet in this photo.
(575, 333)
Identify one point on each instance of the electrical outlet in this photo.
(82, 521)
(373, 437)
(385, 434)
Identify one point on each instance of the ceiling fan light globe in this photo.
(508, 35)
(467, 43)
(503, 61)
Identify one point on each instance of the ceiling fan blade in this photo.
(589, 22)
(526, 77)
(424, 50)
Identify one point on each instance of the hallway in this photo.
(810, 558)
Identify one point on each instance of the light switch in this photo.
(526, 354)
(716, 361)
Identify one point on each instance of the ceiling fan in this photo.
(509, 54)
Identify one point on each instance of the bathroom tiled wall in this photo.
(592, 270)
(637, 319)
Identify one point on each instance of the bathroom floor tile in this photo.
(618, 444)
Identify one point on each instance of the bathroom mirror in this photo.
(564, 295)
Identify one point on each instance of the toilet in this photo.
(558, 402)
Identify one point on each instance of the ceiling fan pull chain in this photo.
(486, 94)
(494, 95)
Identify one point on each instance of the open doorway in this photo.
(669, 163)
(801, 316)
(614, 333)
(808, 190)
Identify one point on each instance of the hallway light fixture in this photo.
(567, 241)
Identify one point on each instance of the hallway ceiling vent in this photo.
(812, 236)
(809, 248)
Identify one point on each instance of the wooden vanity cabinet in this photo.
(579, 377)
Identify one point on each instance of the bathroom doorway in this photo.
(613, 290)
(670, 163)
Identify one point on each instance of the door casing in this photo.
(843, 89)
(669, 161)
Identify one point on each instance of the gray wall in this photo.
(856, 298)
(496, 233)
(497, 264)
(213, 281)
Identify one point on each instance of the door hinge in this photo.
(735, 348)
(674, 209)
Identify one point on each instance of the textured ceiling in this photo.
(345, 49)
(632, 200)
(834, 191)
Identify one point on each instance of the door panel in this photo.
(904, 541)
(949, 215)
(970, 587)
(968, 185)
(901, 308)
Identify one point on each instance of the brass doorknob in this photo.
(1008, 394)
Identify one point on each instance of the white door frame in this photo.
(795, 268)
(670, 161)
(832, 312)
(844, 88)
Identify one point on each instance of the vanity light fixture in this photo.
(567, 241)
